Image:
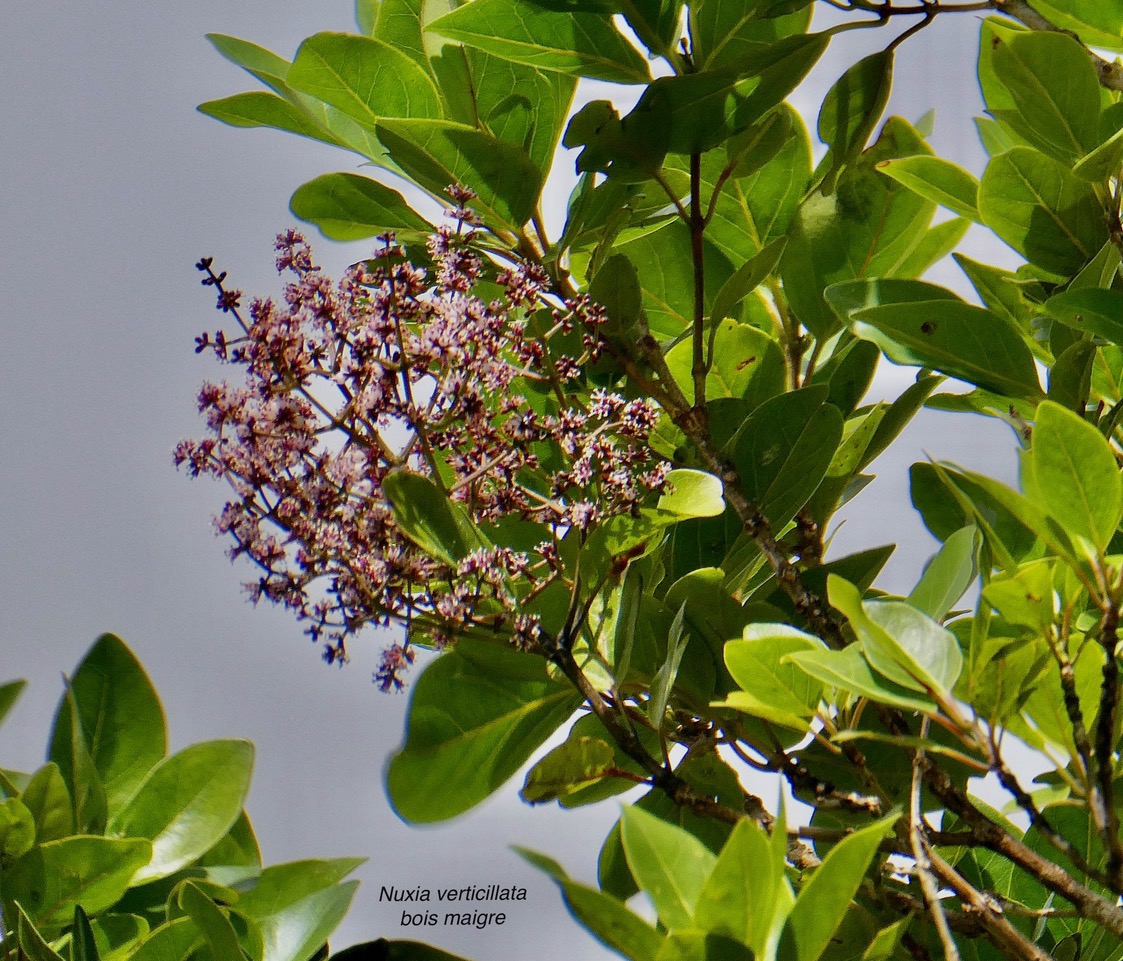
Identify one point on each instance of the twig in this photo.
(921, 853)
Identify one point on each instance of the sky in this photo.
(111, 187)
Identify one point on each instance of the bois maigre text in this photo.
(465, 898)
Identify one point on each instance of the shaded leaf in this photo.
(476, 715)
(347, 206)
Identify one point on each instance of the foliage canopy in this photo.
(600, 468)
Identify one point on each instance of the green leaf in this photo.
(174, 940)
(397, 950)
(121, 716)
(937, 180)
(1099, 23)
(48, 800)
(83, 946)
(1070, 378)
(900, 642)
(604, 916)
(740, 895)
(948, 574)
(1090, 309)
(347, 206)
(1077, 475)
(825, 899)
(692, 493)
(31, 942)
(616, 288)
(1041, 209)
(772, 688)
(259, 108)
(477, 714)
(437, 154)
(436, 524)
(571, 766)
(853, 106)
(9, 694)
(212, 921)
(670, 864)
(1054, 89)
(298, 905)
(704, 109)
(188, 803)
(1103, 162)
(957, 339)
(747, 364)
(784, 450)
(702, 946)
(17, 830)
(365, 78)
(868, 226)
(849, 670)
(724, 32)
(70, 748)
(52, 877)
(750, 275)
(579, 44)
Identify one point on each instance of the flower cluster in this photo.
(399, 367)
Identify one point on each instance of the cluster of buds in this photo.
(399, 367)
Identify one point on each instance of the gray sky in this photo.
(111, 187)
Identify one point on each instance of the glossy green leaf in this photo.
(571, 766)
(436, 524)
(188, 803)
(365, 78)
(477, 714)
(739, 897)
(784, 450)
(900, 642)
(174, 940)
(957, 339)
(579, 44)
(52, 877)
(121, 718)
(697, 945)
(1054, 89)
(669, 864)
(825, 899)
(854, 105)
(211, 920)
(1077, 474)
(48, 800)
(437, 154)
(1041, 209)
(298, 905)
(937, 180)
(850, 671)
(868, 226)
(83, 946)
(750, 275)
(608, 919)
(259, 108)
(704, 109)
(348, 206)
(725, 32)
(692, 493)
(948, 574)
(9, 694)
(1098, 22)
(747, 363)
(1070, 378)
(773, 688)
(1090, 309)
(31, 943)
(1103, 162)
(238, 847)
(664, 265)
(70, 749)
(17, 830)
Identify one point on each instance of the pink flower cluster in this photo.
(401, 367)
